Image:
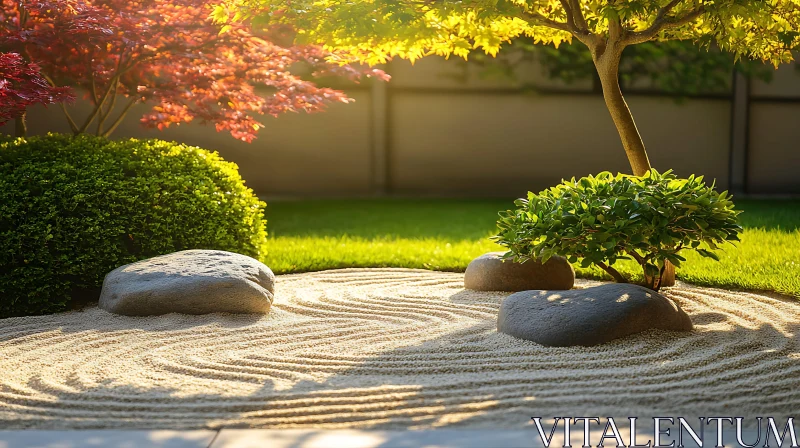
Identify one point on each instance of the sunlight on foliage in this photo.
(375, 30)
(169, 55)
(603, 219)
(74, 208)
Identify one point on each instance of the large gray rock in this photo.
(588, 316)
(189, 282)
(490, 272)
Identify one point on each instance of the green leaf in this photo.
(708, 254)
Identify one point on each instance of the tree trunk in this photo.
(21, 126)
(606, 61)
(668, 277)
(608, 68)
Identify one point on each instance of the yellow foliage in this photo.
(374, 31)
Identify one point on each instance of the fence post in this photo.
(380, 156)
(740, 124)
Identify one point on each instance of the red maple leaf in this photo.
(21, 86)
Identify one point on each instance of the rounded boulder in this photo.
(490, 272)
(590, 316)
(189, 282)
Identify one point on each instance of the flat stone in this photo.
(490, 272)
(189, 282)
(589, 316)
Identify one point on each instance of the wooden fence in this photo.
(427, 134)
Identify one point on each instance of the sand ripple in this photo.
(388, 348)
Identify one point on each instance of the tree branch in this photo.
(577, 13)
(663, 22)
(660, 276)
(113, 84)
(122, 115)
(101, 119)
(93, 86)
(570, 15)
(689, 17)
(666, 9)
(619, 278)
(97, 109)
(615, 30)
(544, 21)
(72, 125)
(636, 256)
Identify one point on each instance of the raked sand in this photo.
(389, 348)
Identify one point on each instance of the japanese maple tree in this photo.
(377, 30)
(167, 53)
(21, 86)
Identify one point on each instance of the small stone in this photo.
(490, 272)
(589, 316)
(189, 282)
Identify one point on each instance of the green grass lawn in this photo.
(446, 234)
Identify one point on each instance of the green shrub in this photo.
(604, 218)
(74, 208)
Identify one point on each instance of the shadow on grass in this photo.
(770, 214)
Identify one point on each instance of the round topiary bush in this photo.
(74, 208)
(605, 218)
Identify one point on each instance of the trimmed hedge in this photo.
(74, 208)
